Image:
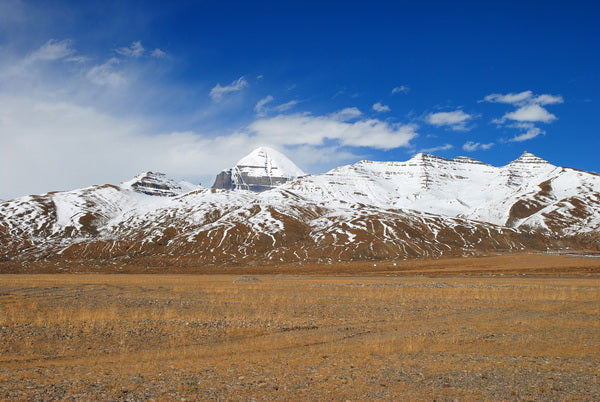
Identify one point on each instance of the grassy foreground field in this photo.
(453, 334)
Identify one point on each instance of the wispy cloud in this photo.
(134, 50)
(530, 113)
(260, 105)
(455, 120)
(62, 115)
(158, 53)
(524, 98)
(105, 74)
(39, 59)
(471, 146)
(529, 110)
(341, 127)
(218, 91)
(402, 89)
(531, 132)
(51, 50)
(61, 120)
(346, 114)
(262, 109)
(444, 147)
(510, 98)
(378, 107)
(84, 137)
(285, 106)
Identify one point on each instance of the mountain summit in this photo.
(529, 158)
(260, 170)
(158, 184)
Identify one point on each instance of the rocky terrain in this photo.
(426, 207)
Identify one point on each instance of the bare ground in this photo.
(497, 328)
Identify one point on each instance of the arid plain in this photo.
(495, 328)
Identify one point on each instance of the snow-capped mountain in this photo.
(528, 192)
(424, 207)
(158, 184)
(261, 170)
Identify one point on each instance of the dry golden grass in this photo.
(301, 337)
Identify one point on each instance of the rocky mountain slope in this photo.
(424, 207)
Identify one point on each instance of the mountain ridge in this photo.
(426, 207)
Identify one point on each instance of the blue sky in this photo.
(95, 92)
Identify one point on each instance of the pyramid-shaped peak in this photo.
(260, 170)
(529, 158)
(270, 162)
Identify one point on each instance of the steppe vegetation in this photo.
(413, 334)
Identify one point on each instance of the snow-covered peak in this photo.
(158, 184)
(260, 170)
(529, 158)
(265, 161)
(526, 168)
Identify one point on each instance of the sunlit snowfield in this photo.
(283, 336)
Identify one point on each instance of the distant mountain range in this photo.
(266, 210)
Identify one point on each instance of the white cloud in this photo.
(158, 53)
(285, 106)
(304, 129)
(55, 136)
(77, 59)
(510, 98)
(262, 109)
(530, 113)
(219, 91)
(378, 107)
(456, 120)
(260, 105)
(402, 89)
(474, 146)
(531, 132)
(51, 50)
(346, 114)
(58, 131)
(444, 147)
(106, 75)
(548, 99)
(134, 50)
(524, 98)
(529, 109)
(78, 134)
